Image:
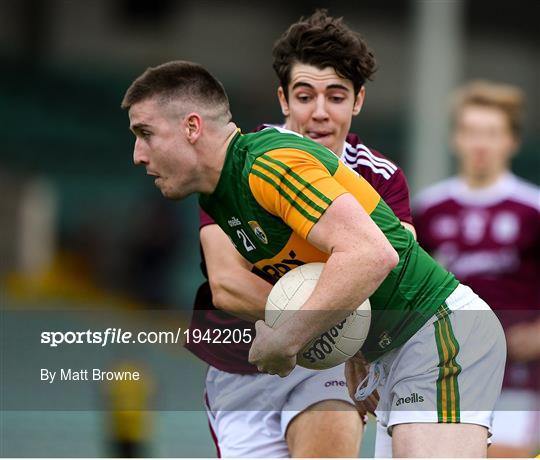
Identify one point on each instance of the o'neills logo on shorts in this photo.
(414, 398)
(334, 383)
(324, 344)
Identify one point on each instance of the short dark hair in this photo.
(324, 41)
(177, 79)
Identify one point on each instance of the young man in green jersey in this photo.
(446, 368)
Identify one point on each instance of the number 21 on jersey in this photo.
(246, 242)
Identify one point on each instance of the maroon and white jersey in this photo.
(490, 239)
(383, 175)
(389, 181)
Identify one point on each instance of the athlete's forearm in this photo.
(360, 259)
(340, 290)
(235, 289)
(240, 293)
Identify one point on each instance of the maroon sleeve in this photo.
(260, 127)
(383, 174)
(395, 192)
(204, 219)
(421, 225)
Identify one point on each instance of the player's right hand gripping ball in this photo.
(331, 348)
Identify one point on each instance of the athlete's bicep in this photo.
(346, 226)
(294, 186)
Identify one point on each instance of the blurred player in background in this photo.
(322, 66)
(484, 226)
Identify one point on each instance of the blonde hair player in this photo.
(484, 226)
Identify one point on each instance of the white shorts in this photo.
(516, 420)
(383, 442)
(450, 371)
(249, 413)
(516, 423)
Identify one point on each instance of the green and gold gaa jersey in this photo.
(275, 186)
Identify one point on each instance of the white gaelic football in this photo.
(334, 346)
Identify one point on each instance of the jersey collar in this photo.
(485, 196)
(221, 187)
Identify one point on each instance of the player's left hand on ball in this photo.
(269, 353)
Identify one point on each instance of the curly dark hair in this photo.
(323, 41)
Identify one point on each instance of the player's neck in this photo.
(339, 149)
(215, 154)
(479, 181)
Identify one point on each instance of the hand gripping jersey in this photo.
(274, 187)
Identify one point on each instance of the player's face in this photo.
(161, 147)
(483, 141)
(320, 105)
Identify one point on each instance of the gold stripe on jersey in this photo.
(303, 182)
(285, 193)
(294, 185)
(298, 187)
(359, 187)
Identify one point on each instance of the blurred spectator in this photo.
(128, 401)
(484, 226)
(152, 247)
(97, 256)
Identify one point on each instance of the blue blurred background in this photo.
(82, 228)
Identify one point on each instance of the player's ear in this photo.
(283, 101)
(192, 126)
(359, 101)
